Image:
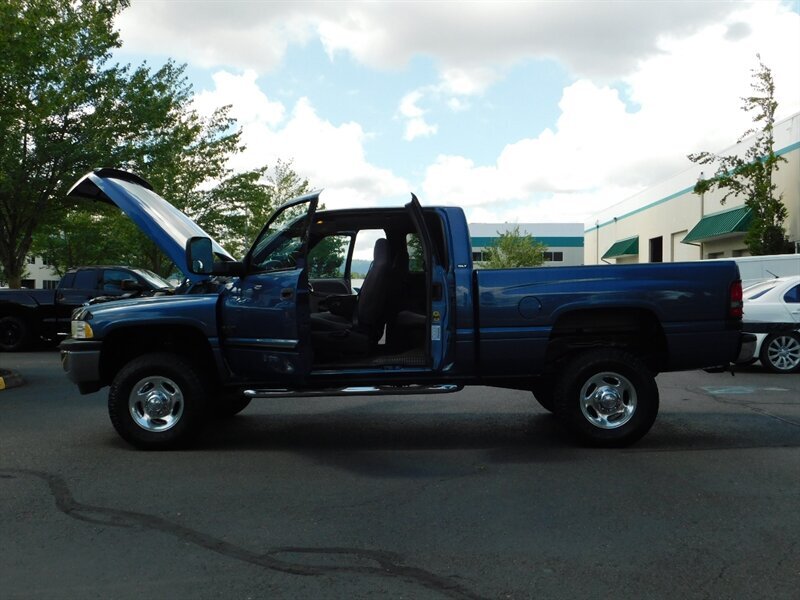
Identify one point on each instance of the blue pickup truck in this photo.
(286, 320)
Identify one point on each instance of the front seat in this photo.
(353, 325)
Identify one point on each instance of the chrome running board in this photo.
(364, 390)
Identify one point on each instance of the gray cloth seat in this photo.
(355, 323)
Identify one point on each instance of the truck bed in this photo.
(671, 307)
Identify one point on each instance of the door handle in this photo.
(287, 293)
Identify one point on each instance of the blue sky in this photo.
(517, 111)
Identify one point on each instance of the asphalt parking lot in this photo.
(471, 495)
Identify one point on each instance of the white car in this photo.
(772, 313)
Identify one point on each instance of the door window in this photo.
(793, 295)
(328, 259)
(281, 244)
(416, 256)
(112, 280)
(86, 280)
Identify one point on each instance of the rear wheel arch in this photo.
(632, 329)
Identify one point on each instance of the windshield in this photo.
(153, 279)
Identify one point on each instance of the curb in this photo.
(10, 379)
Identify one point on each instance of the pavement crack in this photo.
(384, 564)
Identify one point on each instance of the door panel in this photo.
(264, 319)
(265, 314)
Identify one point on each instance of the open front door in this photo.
(265, 314)
(439, 292)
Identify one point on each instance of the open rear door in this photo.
(439, 327)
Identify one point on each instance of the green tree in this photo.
(512, 249)
(236, 210)
(87, 237)
(64, 110)
(179, 155)
(326, 259)
(750, 176)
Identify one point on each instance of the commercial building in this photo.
(668, 222)
(564, 241)
(38, 274)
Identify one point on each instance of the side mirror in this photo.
(199, 256)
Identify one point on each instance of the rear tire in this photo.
(606, 397)
(158, 401)
(780, 352)
(15, 334)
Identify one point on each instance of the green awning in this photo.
(626, 247)
(726, 223)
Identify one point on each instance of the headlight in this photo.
(81, 330)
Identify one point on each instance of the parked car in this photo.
(587, 341)
(27, 316)
(772, 313)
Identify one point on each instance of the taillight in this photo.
(736, 305)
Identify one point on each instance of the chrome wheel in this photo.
(783, 352)
(608, 400)
(156, 403)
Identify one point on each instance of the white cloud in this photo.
(249, 104)
(330, 156)
(416, 125)
(469, 40)
(683, 66)
(600, 152)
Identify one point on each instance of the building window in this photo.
(657, 249)
(740, 252)
(554, 257)
(50, 284)
(477, 256)
(31, 260)
(28, 284)
(716, 255)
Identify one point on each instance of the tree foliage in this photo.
(750, 176)
(512, 249)
(63, 109)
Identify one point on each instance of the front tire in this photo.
(607, 397)
(780, 352)
(157, 401)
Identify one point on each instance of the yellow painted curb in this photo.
(9, 379)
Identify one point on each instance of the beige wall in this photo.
(671, 209)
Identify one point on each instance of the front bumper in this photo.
(80, 359)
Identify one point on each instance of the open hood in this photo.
(168, 227)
